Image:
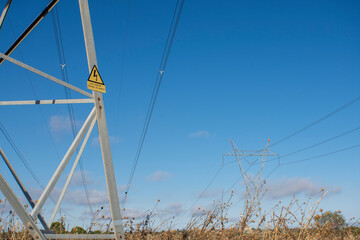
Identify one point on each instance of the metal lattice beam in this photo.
(98, 113)
(30, 28)
(20, 210)
(102, 125)
(45, 75)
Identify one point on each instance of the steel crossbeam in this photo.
(97, 115)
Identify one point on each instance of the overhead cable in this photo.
(122, 68)
(317, 121)
(321, 155)
(297, 161)
(65, 77)
(160, 75)
(318, 143)
(17, 151)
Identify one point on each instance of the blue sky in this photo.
(242, 70)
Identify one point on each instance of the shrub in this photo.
(58, 227)
(78, 230)
(330, 219)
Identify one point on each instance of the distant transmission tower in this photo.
(253, 180)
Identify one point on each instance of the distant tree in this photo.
(78, 230)
(58, 227)
(331, 219)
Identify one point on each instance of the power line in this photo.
(306, 159)
(272, 171)
(30, 81)
(26, 164)
(286, 155)
(216, 174)
(303, 149)
(317, 121)
(160, 75)
(211, 182)
(65, 77)
(297, 161)
(22, 158)
(316, 144)
(17, 151)
(7, 136)
(311, 158)
(319, 143)
(122, 68)
(311, 146)
(297, 151)
(321, 155)
(206, 188)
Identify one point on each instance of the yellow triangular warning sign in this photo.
(95, 82)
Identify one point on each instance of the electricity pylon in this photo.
(249, 159)
(96, 115)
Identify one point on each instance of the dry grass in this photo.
(296, 220)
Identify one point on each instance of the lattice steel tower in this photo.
(248, 159)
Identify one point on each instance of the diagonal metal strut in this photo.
(72, 171)
(30, 28)
(22, 187)
(45, 75)
(4, 12)
(62, 165)
(20, 210)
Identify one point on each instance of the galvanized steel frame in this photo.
(97, 114)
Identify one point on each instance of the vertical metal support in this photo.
(101, 119)
(22, 187)
(62, 165)
(20, 210)
(72, 171)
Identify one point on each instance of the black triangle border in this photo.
(99, 76)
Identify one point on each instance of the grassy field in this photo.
(296, 220)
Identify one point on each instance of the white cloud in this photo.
(79, 197)
(174, 209)
(134, 213)
(77, 179)
(160, 176)
(200, 134)
(292, 186)
(210, 193)
(59, 123)
(35, 193)
(62, 124)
